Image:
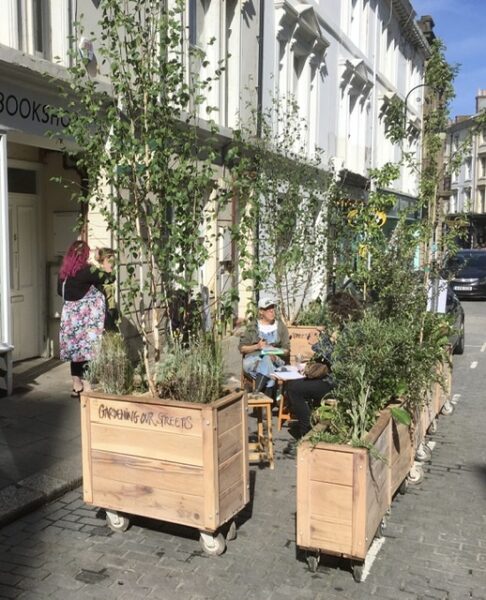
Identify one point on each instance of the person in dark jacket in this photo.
(83, 314)
(264, 344)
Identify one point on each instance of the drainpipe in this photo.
(5, 321)
(259, 120)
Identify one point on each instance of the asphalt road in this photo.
(434, 545)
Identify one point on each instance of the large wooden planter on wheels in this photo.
(343, 492)
(180, 462)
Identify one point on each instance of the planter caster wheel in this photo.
(416, 474)
(232, 532)
(357, 569)
(432, 427)
(380, 532)
(424, 453)
(447, 409)
(312, 562)
(214, 545)
(403, 487)
(117, 521)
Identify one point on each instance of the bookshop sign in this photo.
(29, 110)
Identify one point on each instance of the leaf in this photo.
(401, 415)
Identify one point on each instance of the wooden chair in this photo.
(283, 411)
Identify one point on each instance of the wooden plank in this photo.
(328, 536)
(170, 476)
(331, 467)
(246, 461)
(148, 501)
(361, 466)
(228, 416)
(160, 445)
(378, 488)
(230, 442)
(230, 472)
(231, 501)
(303, 533)
(210, 461)
(86, 448)
(147, 399)
(334, 502)
(147, 417)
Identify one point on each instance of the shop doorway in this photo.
(25, 284)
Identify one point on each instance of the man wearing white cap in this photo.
(264, 344)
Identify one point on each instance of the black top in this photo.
(77, 287)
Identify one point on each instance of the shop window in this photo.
(22, 181)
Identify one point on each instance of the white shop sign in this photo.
(28, 110)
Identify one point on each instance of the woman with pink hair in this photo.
(83, 313)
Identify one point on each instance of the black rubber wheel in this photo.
(403, 487)
(312, 562)
(232, 532)
(461, 342)
(357, 569)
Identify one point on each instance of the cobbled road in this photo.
(434, 545)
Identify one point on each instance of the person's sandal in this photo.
(76, 393)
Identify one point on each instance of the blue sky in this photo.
(461, 24)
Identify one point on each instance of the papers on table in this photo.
(288, 372)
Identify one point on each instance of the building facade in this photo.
(464, 190)
(342, 61)
(38, 217)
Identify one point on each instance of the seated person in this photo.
(304, 395)
(266, 332)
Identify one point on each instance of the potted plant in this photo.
(147, 147)
(386, 365)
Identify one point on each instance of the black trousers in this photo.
(78, 368)
(303, 395)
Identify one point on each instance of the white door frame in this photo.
(5, 319)
(40, 278)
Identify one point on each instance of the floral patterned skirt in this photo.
(82, 326)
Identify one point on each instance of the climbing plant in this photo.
(282, 183)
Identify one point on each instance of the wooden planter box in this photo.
(301, 339)
(180, 462)
(344, 492)
(438, 397)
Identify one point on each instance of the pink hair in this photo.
(75, 259)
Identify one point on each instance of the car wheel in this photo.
(459, 347)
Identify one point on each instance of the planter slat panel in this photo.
(333, 537)
(231, 472)
(231, 501)
(229, 416)
(361, 496)
(140, 471)
(159, 445)
(339, 470)
(148, 501)
(378, 495)
(229, 443)
(402, 454)
(210, 461)
(86, 450)
(145, 416)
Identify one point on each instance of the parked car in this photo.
(453, 308)
(468, 270)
